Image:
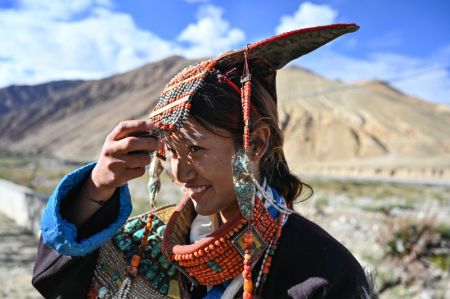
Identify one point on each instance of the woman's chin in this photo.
(201, 210)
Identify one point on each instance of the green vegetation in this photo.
(378, 191)
(41, 174)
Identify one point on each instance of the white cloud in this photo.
(404, 72)
(307, 15)
(86, 39)
(210, 35)
(43, 42)
(421, 77)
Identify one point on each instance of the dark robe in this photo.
(308, 263)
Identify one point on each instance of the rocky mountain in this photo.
(363, 128)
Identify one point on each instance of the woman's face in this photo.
(201, 163)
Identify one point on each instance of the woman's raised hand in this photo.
(123, 157)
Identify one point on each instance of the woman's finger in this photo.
(134, 144)
(132, 173)
(127, 127)
(135, 160)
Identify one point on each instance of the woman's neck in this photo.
(228, 213)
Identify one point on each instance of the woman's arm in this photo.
(123, 158)
(82, 193)
(66, 276)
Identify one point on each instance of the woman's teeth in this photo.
(196, 190)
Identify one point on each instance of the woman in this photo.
(233, 234)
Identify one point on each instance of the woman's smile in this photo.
(196, 192)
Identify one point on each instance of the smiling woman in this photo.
(234, 234)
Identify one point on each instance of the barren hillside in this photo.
(365, 128)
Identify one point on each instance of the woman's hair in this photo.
(218, 106)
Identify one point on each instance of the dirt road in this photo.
(17, 254)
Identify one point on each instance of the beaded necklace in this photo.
(219, 256)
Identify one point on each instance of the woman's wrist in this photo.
(95, 192)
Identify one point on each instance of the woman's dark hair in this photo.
(218, 106)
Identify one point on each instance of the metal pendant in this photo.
(243, 184)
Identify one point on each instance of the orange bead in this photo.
(135, 261)
(248, 285)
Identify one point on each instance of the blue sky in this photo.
(404, 42)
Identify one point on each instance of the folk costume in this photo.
(265, 251)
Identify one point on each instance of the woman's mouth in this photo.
(196, 192)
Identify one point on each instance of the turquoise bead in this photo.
(156, 250)
(102, 292)
(153, 239)
(150, 274)
(145, 265)
(124, 244)
(164, 262)
(160, 230)
(171, 271)
(164, 289)
(137, 236)
(133, 225)
(158, 281)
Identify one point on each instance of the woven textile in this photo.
(157, 277)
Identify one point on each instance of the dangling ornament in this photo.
(153, 186)
(243, 184)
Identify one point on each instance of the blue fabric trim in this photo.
(272, 210)
(60, 234)
(217, 291)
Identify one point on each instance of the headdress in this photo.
(260, 60)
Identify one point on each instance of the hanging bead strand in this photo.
(245, 98)
(153, 189)
(247, 273)
(248, 237)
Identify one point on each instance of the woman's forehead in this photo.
(193, 132)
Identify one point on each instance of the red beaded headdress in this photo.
(263, 58)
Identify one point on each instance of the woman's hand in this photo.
(123, 158)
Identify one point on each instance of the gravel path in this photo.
(17, 255)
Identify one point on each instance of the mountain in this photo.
(72, 121)
(361, 128)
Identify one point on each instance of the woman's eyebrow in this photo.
(194, 137)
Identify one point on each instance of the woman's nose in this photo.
(183, 170)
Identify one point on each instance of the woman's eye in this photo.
(195, 148)
(170, 150)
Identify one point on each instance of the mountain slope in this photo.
(330, 126)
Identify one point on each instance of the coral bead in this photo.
(135, 261)
(248, 285)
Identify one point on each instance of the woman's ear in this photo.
(259, 142)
